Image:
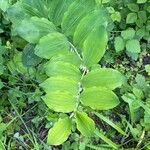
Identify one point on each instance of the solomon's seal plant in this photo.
(72, 37)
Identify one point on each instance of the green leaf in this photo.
(108, 121)
(59, 132)
(60, 101)
(4, 5)
(104, 138)
(131, 18)
(76, 11)
(85, 124)
(133, 56)
(133, 46)
(147, 116)
(99, 98)
(141, 1)
(103, 77)
(94, 46)
(60, 83)
(1, 84)
(69, 57)
(116, 16)
(57, 10)
(34, 28)
(35, 8)
(119, 44)
(51, 45)
(16, 13)
(128, 34)
(29, 59)
(105, 1)
(62, 68)
(86, 25)
(147, 68)
(133, 7)
(142, 16)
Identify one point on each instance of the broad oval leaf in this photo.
(16, 13)
(60, 101)
(103, 77)
(34, 28)
(76, 11)
(86, 25)
(133, 46)
(94, 46)
(85, 124)
(99, 98)
(64, 69)
(69, 57)
(29, 59)
(35, 8)
(60, 83)
(57, 9)
(59, 132)
(51, 45)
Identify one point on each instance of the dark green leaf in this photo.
(29, 59)
(34, 28)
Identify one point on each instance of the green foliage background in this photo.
(24, 117)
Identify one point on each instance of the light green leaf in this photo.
(119, 44)
(99, 98)
(94, 46)
(76, 11)
(60, 83)
(34, 28)
(60, 101)
(116, 16)
(87, 24)
(59, 132)
(85, 124)
(57, 9)
(105, 1)
(69, 57)
(141, 1)
(35, 8)
(4, 4)
(133, 46)
(131, 18)
(147, 68)
(52, 44)
(133, 7)
(103, 77)
(128, 34)
(62, 68)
